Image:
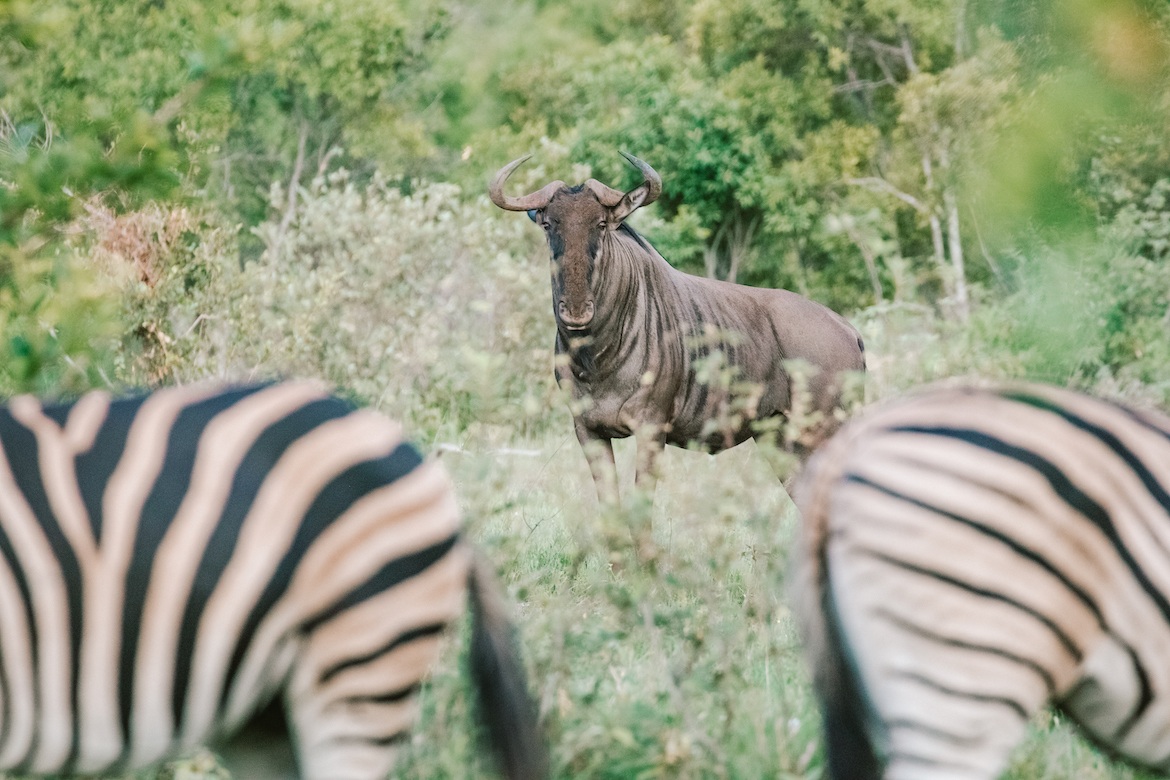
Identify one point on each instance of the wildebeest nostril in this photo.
(574, 320)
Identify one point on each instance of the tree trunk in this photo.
(870, 264)
(955, 245)
(739, 244)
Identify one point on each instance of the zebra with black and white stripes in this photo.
(177, 566)
(967, 556)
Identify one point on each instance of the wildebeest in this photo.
(633, 334)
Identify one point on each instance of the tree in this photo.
(247, 92)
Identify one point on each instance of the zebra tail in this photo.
(506, 710)
(846, 710)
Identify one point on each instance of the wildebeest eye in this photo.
(601, 224)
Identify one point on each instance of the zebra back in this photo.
(968, 555)
(171, 563)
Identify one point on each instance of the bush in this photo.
(421, 303)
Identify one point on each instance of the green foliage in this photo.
(58, 326)
(244, 92)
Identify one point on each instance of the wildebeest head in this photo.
(575, 221)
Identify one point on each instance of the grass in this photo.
(686, 668)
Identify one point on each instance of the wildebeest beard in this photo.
(580, 350)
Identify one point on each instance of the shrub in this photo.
(422, 303)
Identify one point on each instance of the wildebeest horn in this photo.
(649, 174)
(608, 196)
(535, 200)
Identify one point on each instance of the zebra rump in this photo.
(967, 556)
(173, 566)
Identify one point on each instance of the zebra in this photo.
(968, 555)
(205, 562)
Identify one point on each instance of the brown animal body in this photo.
(633, 333)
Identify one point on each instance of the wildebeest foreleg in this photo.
(651, 444)
(599, 453)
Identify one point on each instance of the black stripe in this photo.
(1074, 497)
(158, 511)
(985, 698)
(1115, 445)
(1144, 698)
(1131, 720)
(1014, 545)
(24, 460)
(1063, 486)
(389, 697)
(13, 563)
(250, 476)
(397, 738)
(1065, 640)
(96, 466)
(393, 573)
(405, 638)
(335, 498)
(999, 652)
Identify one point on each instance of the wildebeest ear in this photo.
(534, 215)
(629, 203)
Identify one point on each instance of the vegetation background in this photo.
(195, 189)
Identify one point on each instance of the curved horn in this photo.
(535, 200)
(649, 174)
(608, 196)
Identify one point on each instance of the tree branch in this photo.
(877, 184)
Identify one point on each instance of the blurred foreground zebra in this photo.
(171, 564)
(969, 555)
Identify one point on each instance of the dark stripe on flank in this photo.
(397, 738)
(1063, 487)
(97, 465)
(937, 638)
(158, 510)
(1148, 480)
(1144, 697)
(958, 740)
(394, 572)
(933, 574)
(253, 471)
(1014, 545)
(24, 460)
(389, 697)
(406, 638)
(985, 698)
(1075, 498)
(345, 489)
